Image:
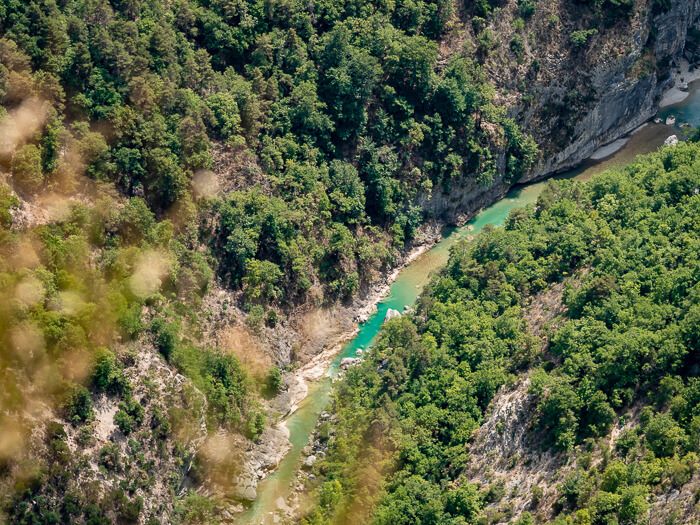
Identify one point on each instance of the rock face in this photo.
(628, 89)
(261, 459)
(506, 450)
(579, 100)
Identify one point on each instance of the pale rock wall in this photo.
(625, 99)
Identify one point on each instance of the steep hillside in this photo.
(198, 196)
(576, 75)
(549, 375)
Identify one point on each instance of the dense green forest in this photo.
(326, 123)
(623, 354)
(335, 117)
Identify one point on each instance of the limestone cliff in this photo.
(620, 79)
(572, 98)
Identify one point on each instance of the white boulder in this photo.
(391, 314)
(671, 141)
(347, 362)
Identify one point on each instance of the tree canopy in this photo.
(626, 246)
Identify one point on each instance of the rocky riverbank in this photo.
(263, 457)
(623, 97)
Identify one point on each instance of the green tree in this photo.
(664, 436)
(347, 193)
(261, 281)
(226, 118)
(27, 168)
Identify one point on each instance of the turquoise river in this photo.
(273, 491)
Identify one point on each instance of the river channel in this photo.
(273, 491)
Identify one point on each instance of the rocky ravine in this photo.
(307, 341)
(625, 72)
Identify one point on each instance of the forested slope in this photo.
(151, 150)
(610, 380)
(279, 154)
(324, 123)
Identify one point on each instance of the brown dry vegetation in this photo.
(239, 341)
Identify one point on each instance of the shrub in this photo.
(261, 282)
(8, 201)
(78, 406)
(664, 436)
(110, 457)
(26, 168)
(464, 501)
(526, 8)
(255, 425)
(225, 386)
(634, 504)
(107, 376)
(274, 381)
(517, 47)
(581, 37)
(195, 509)
(59, 452)
(165, 336)
(127, 510)
(271, 318)
(160, 424)
(129, 416)
(255, 317)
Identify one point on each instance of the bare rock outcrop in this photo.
(572, 101)
(506, 451)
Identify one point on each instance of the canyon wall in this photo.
(575, 101)
(627, 98)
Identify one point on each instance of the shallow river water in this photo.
(273, 491)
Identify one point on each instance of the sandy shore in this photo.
(679, 92)
(609, 149)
